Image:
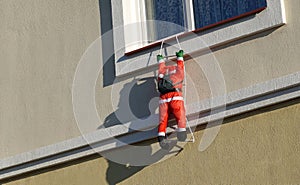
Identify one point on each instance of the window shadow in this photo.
(108, 56)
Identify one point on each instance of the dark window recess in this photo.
(211, 12)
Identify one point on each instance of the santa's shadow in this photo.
(137, 108)
(138, 100)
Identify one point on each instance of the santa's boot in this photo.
(163, 142)
(181, 136)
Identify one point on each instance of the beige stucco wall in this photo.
(264, 56)
(261, 147)
(41, 43)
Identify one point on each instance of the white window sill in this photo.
(272, 16)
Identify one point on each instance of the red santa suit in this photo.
(172, 102)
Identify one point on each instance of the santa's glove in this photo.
(179, 53)
(160, 58)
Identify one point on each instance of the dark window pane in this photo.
(208, 12)
(170, 11)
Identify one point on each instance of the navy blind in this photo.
(208, 12)
(169, 16)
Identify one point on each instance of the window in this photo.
(151, 20)
(154, 20)
(211, 12)
(166, 11)
(133, 45)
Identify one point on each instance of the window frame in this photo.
(136, 13)
(272, 16)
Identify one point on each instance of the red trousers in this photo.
(171, 102)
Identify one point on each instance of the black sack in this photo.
(166, 85)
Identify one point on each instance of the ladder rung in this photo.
(170, 56)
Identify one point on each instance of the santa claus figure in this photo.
(170, 79)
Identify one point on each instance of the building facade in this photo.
(79, 104)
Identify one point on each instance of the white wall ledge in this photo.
(244, 100)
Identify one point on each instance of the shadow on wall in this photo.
(106, 27)
(135, 97)
(132, 95)
(138, 100)
(117, 172)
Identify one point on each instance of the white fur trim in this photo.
(170, 99)
(172, 72)
(161, 134)
(161, 61)
(181, 129)
(180, 58)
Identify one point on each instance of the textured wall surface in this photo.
(261, 147)
(264, 56)
(41, 43)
